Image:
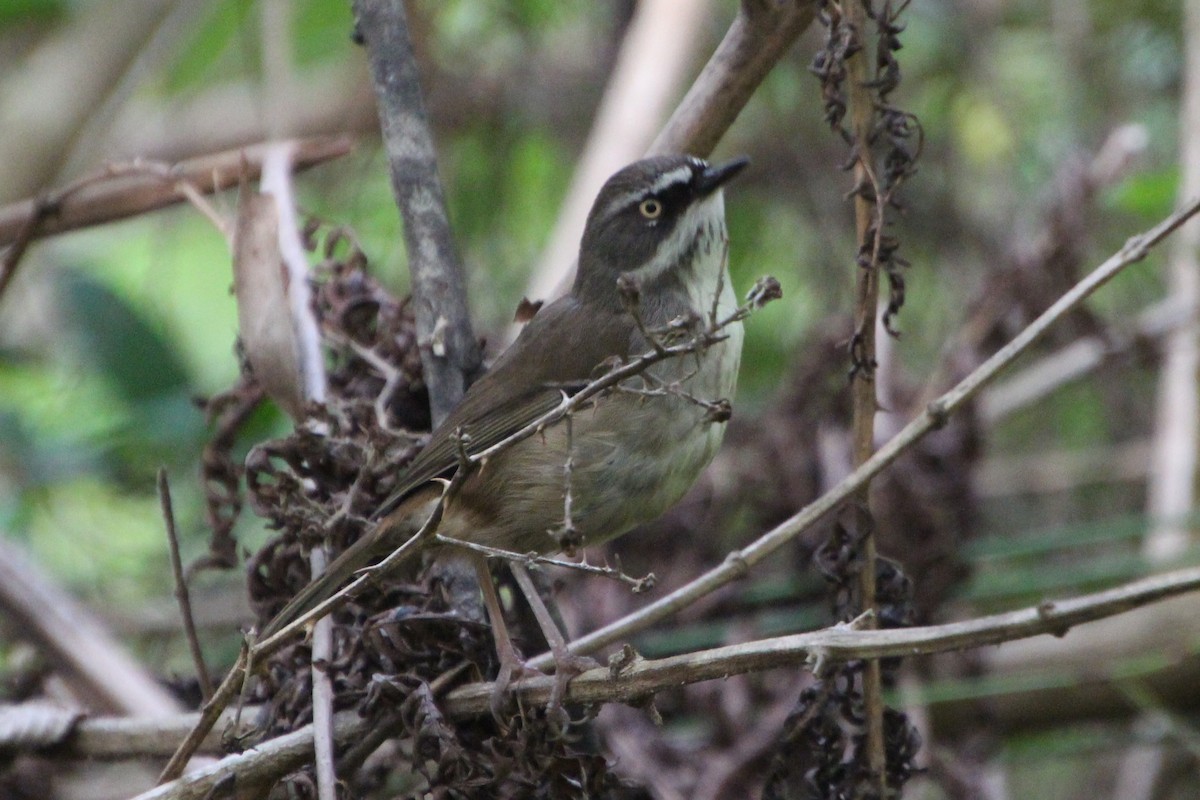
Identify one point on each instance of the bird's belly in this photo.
(631, 457)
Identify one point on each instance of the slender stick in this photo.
(209, 714)
(739, 562)
(181, 589)
(322, 692)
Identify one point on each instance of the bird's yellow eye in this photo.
(650, 208)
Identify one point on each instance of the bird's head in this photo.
(659, 218)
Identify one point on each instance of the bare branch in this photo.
(129, 189)
(759, 36)
(869, 204)
(210, 712)
(76, 640)
(322, 693)
(449, 352)
(74, 735)
(702, 339)
(638, 585)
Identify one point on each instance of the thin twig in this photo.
(210, 712)
(1074, 361)
(181, 588)
(128, 189)
(637, 584)
(739, 562)
(635, 366)
(568, 537)
(391, 380)
(322, 693)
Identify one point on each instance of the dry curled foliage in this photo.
(395, 641)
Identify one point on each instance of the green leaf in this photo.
(115, 341)
(1148, 194)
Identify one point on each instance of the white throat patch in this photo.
(703, 219)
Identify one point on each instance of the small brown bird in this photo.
(659, 225)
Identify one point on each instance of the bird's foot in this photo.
(512, 668)
(567, 665)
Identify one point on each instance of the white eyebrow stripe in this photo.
(676, 176)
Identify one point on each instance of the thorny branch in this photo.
(764, 291)
(737, 563)
(638, 585)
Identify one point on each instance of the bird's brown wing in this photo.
(560, 348)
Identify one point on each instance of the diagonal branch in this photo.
(738, 563)
(759, 36)
(126, 190)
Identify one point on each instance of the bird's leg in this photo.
(566, 664)
(511, 663)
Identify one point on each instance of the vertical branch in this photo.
(449, 352)
(1177, 424)
(322, 691)
(867, 228)
(1171, 488)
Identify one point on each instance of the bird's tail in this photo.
(386, 535)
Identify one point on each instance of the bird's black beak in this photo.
(714, 178)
